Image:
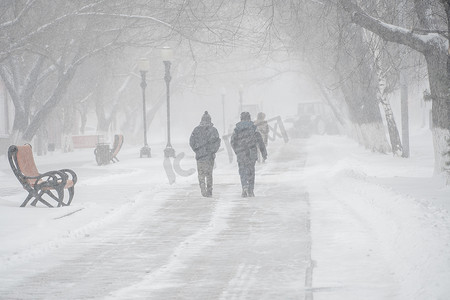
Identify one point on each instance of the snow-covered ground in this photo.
(330, 220)
(380, 224)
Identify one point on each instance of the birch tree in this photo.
(376, 46)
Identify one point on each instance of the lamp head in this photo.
(167, 53)
(143, 64)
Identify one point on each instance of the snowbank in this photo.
(379, 216)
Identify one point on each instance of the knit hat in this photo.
(206, 118)
(261, 116)
(245, 116)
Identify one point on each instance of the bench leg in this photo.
(59, 198)
(38, 198)
(71, 193)
(25, 202)
(45, 202)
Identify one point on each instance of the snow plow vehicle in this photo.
(312, 118)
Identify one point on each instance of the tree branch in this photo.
(27, 7)
(389, 32)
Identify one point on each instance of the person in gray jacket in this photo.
(205, 142)
(245, 141)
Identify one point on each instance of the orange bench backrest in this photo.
(25, 161)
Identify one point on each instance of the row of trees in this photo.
(67, 52)
(64, 56)
(424, 30)
(365, 50)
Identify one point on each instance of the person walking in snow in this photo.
(205, 142)
(263, 129)
(245, 141)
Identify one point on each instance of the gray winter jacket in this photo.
(205, 141)
(244, 141)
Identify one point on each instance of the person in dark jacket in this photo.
(205, 142)
(245, 141)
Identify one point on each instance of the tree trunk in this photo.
(360, 92)
(447, 11)
(20, 123)
(405, 116)
(394, 136)
(50, 104)
(83, 116)
(437, 65)
(103, 121)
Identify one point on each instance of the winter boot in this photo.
(244, 192)
(203, 190)
(208, 191)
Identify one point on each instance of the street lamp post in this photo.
(223, 110)
(167, 56)
(144, 66)
(241, 91)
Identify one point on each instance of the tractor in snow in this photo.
(312, 118)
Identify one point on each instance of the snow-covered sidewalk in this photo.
(134, 236)
(379, 225)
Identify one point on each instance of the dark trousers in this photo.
(247, 174)
(205, 177)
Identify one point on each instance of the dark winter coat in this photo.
(244, 141)
(205, 141)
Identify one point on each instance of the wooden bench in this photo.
(85, 141)
(104, 154)
(49, 185)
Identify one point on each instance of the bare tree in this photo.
(57, 37)
(376, 46)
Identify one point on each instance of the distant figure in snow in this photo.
(205, 142)
(245, 141)
(263, 129)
